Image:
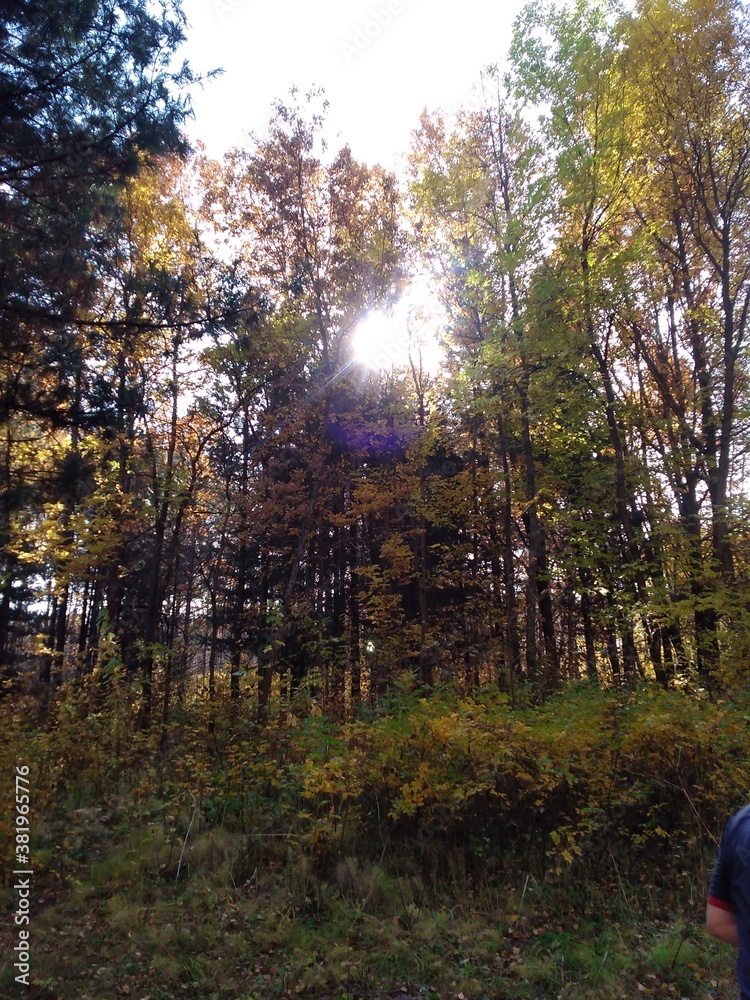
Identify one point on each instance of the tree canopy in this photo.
(200, 474)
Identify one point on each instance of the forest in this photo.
(375, 549)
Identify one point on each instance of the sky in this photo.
(379, 62)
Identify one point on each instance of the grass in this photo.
(313, 868)
(240, 923)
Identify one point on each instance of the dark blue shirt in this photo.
(730, 887)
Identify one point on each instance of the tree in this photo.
(322, 243)
(480, 200)
(85, 90)
(686, 69)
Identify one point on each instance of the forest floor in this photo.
(441, 848)
(120, 910)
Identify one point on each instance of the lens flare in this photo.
(410, 333)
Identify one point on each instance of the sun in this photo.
(409, 334)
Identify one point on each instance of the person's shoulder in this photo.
(738, 827)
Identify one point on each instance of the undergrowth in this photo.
(440, 847)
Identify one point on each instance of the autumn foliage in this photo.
(482, 622)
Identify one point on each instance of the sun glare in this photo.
(410, 333)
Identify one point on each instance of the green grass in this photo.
(112, 920)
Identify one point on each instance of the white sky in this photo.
(428, 54)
